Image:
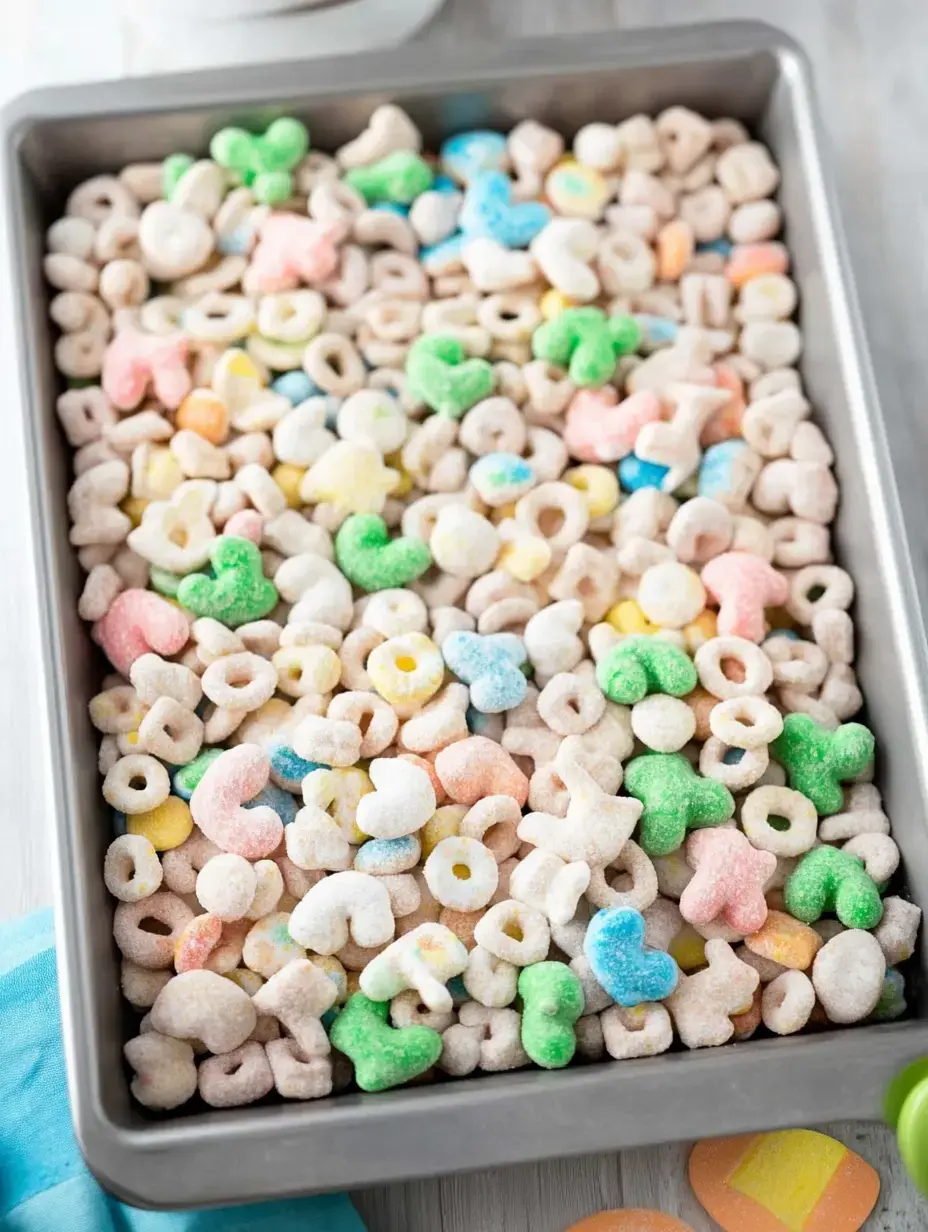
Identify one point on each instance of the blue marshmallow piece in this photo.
(635, 473)
(384, 856)
(466, 154)
(491, 665)
(288, 769)
(722, 470)
(630, 971)
(283, 804)
(488, 210)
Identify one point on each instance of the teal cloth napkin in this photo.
(44, 1184)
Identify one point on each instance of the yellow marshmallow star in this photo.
(352, 477)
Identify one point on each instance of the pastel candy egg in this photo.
(501, 478)
(577, 191)
(466, 154)
(166, 826)
(794, 1179)
(636, 1220)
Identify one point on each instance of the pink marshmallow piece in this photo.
(743, 585)
(134, 361)
(216, 804)
(598, 428)
(728, 882)
(138, 622)
(246, 524)
(292, 250)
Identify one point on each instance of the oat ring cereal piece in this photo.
(747, 722)
(792, 839)
(461, 873)
(242, 681)
(137, 783)
(733, 667)
(132, 870)
(736, 768)
(149, 949)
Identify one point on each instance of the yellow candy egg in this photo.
(599, 484)
(288, 478)
(133, 507)
(688, 949)
(166, 826)
(577, 191)
(553, 303)
(627, 617)
(444, 823)
(702, 630)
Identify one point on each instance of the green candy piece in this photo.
(238, 593)
(829, 879)
(817, 761)
(383, 1056)
(892, 1003)
(187, 778)
(552, 1001)
(263, 162)
(367, 557)
(587, 343)
(675, 799)
(165, 582)
(173, 169)
(398, 179)
(441, 374)
(640, 665)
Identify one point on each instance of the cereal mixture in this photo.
(457, 530)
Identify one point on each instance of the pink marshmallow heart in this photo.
(134, 361)
(292, 250)
(728, 882)
(598, 428)
(216, 804)
(136, 623)
(743, 585)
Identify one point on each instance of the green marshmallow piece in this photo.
(369, 559)
(238, 593)
(263, 162)
(587, 343)
(552, 1001)
(187, 778)
(398, 179)
(383, 1056)
(829, 879)
(817, 761)
(675, 799)
(640, 665)
(173, 169)
(165, 582)
(440, 373)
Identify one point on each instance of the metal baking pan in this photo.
(54, 138)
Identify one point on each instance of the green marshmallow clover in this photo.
(587, 343)
(817, 761)
(829, 879)
(173, 170)
(397, 179)
(640, 665)
(383, 1056)
(675, 799)
(368, 558)
(552, 1001)
(238, 593)
(441, 374)
(263, 162)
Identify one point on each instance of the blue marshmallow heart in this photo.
(630, 971)
(490, 664)
(488, 211)
(722, 468)
(467, 154)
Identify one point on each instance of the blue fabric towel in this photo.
(44, 1184)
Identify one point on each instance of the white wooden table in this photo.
(869, 62)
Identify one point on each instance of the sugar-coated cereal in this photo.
(457, 529)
